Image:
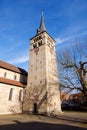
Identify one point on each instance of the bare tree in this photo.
(72, 63)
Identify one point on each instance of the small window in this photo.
(5, 74)
(10, 94)
(21, 95)
(40, 43)
(40, 37)
(15, 77)
(40, 81)
(34, 46)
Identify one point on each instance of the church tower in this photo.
(42, 93)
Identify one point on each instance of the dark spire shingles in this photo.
(42, 27)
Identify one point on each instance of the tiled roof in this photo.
(12, 68)
(12, 82)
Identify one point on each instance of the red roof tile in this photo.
(12, 82)
(12, 68)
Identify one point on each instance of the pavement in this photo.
(73, 116)
(64, 121)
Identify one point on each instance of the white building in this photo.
(12, 82)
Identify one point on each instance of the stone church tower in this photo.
(42, 92)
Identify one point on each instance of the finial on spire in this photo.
(42, 27)
(42, 12)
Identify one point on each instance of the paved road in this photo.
(74, 116)
(34, 122)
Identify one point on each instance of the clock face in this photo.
(36, 50)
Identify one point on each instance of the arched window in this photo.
(40, 43)
(10, 94)
(34, 46)
(21, 95)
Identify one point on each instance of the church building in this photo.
(42, 94)
(36, 91)
(13, 80)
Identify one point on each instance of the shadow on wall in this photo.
(38, 97)
(38, 126)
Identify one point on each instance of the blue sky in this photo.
(65, 20)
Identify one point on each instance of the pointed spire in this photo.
(42, 25)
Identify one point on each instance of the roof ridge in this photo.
(11, 67)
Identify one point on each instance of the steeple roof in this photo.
(42, 27)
